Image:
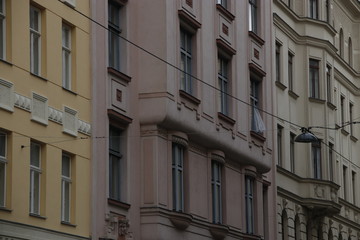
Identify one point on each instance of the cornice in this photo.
(351, 8)
(346, 82)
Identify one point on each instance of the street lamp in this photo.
(306, 136)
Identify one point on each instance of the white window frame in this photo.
(3, 162)
(249, 204)
(113, 35)
(3, 30)
(66, 56)
(35, 55)
(178, 176)
(223, 81)
(223, 3)
(66, 190)
(253, 16)
(186, 61)
(216, 192)
(257, 124)
(115, 164)
(314, 78)
(35, 186)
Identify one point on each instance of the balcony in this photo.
(319, 196)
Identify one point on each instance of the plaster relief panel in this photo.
(70, 120)
(191, 7)
(257, 54)
(39, 110)
(225, 30)
(6, 95)
(23, 102)
(119, 95)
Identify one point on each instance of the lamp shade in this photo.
(306, 137)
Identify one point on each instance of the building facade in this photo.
(182, 126)
(45, 97)
(316, 73)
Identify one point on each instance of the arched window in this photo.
(284, 225)
(341, 43)
(297, 227)
(350, 52)
(330, 235)
(340, 237)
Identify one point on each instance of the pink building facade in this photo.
(182, 135)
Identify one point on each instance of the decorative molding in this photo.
(55, 115)
(70, 121)
(39, 109)
(180, 138)
(84, 127)
(6, 95)
(22, 102)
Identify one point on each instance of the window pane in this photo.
(66, 201)
(35, 155)
(2, 37)
(115, 139)
(65, 166)
(114, 177)
(2, 183)
(3, 145)
(36, 193)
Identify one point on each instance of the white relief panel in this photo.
(23, 102)
(39, 111)
(70, 121)
(6, 95)
(84, 127)
(55, 115)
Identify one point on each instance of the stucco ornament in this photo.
(123, 227)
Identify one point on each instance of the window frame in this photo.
(278, 61)
(3, 173)
(186, 61)
(292, 152)
(116, 163)
(249, 204)
(35, 55)
(316, 159)
(331, 162)
(66, 182)
(66, 56)
(223, 3)
(257, 123)
(3, 29)
(342, 109)
(224, 85)
(314, 9)
(177, 166)
(35, 171)
(353, 181)
(345, 181)
(216, 191)
(280, 144)
(328, 83)
(351, 116)
(253, 16)
(314, 78)
(291, 70)
(114, 26)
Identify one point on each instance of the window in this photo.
(253, 16)
(351, 115)
(35, 40)
(327, 11)
(328, 83)
(353, 181)
(277, 62)
(177, 177)
(316, 156)
(350, 52)
(314, 78)
(297, 225)
(223, 3)
(284, 226)
(292, 152)
(279, 144)
(115, 163)
(113, 35)
(249, 204)
(3, 162)
(313, 8)
(223, 77)
(216, 191)
(342, 110)
(341, 43)
(66, 56)
(65, 188)
(35, 177)
(2, 30)
(331, 161)
(345, 182)
(290, 71)
(186, 61)
(257, 124)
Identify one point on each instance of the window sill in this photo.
(225, 12)
(190, 22)
(280, 85)
(69, 91)
(4, 61)
(222, 45)
(353, 138)
(293, 94)
(180, 220)
(119, 204)
(257, 70)
(68, 224)
(219, 231)
(38, 76)
(37, 216)
(257, 136)
(116, 73)
(5, 209)
(189, 97)
(316, 100)
(226, 118)
(256, 37)
(344, 132)
(331, 106)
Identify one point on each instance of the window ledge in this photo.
(316, 100)
(68, 224)
(189, 97)
(225, 47)
(180, 220)
(280, 85)
(353, 138)
(38, 76)
(226, 118)
(119, 204)
(257, 136)
(188, 20)
(225, 12)
(5, 209)
(257, 70)
(4, 61)
(118, 117)
(69, 91)
(119, 74)
(331, 106)
(256, 37)
(293, 94)
(37, 216)
(219, 231)
(343, 131)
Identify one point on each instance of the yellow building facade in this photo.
(45, 97)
